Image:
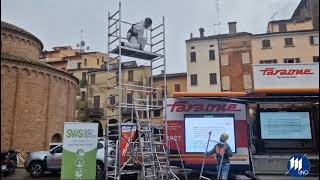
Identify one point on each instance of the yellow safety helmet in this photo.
(224, 137)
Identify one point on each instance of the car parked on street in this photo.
(37, 163)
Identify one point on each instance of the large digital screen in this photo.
(197, 127)
(285, 125)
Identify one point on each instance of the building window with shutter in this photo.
(112, 100)
(266, 44)
(96, 101)
(117, 76)
(79, 65)
(282, 27)
(83, 95)
(130, 75)
(84, 76)
(194, 79)
(247, 83)
(93, 78)
(177, 87)
(213, 78)
(163, 91)
(291, 60)
(85, 62)
(270, 61)
(315, 58)
(157, 113)
(314, 40)
(129, 98)
(225, 83)
(98, 61)
(245, 58)
(288, 42)
(224, 59)
(193, 57)
(211, 55)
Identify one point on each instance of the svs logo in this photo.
(74, 133)
(80, 133)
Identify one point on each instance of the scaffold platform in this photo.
(135, 53)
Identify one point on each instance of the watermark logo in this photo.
(298, 165)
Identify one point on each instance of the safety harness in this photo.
(132, 33)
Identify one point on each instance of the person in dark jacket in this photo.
(222, 149)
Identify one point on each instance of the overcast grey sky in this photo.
(59, 22)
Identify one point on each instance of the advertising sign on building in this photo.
(286, 75)
(79, 150)
(191, 119)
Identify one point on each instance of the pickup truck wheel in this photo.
(99, 169)
(36, 169)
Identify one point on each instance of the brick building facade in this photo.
(235, 61)
(36, 99)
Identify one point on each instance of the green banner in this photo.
(79, 151)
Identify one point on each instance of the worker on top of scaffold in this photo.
(222, 149)
(135, 34)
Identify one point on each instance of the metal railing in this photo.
(83, 83)
(95, 112)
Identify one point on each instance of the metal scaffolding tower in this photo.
(145, 153)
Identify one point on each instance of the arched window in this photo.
(56, 138)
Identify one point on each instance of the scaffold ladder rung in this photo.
(158, 51)
(113, 135)
(112, 87)
(113, 58)
(110, 34)
(110, 145)
(111, 17)
(113, 23)
(158, 67)
(156, 35)
(157, 43)
(111, 166)
(156, 27)
(156, 59)
(113, 77)
(113, 41)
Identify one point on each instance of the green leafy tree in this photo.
(82, 107)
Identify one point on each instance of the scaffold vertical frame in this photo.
(150, 92)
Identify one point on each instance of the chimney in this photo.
(232, 27)
(201, 30)
(191, 35)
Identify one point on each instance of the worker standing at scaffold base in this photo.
(135, 34)
(222, 149)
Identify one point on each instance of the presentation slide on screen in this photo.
(285, 125)
(198, 126)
